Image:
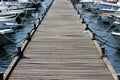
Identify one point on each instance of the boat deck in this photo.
(60, 49)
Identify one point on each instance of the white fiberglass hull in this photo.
(6, 36)
(116, 36)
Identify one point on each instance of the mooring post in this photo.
(35, 26)
(80, 16)
(93, 36)
(28, 37)
(1, 76)
(83, 21)
(39, 19)
(103, 52)
(78, 12)
(43, 16)
(47, 10)
(20, 53)
(86, 28)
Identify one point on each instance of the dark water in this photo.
(103, 35)
(8, 52)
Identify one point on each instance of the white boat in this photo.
(5, 36)
(28, 3)
(18, 7)
(11, 13)
(116, 31)
(25, 1)
(14, 25)
(116, 16)
(110, 2)
(10, 23)
(108, 10)
(117, 24)
(8, 18)
(106, 14)
(104, 19)
(116, 36)
(6, 31)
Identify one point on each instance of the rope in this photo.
(23, 17)
(16, 30)
(105, 41)
(6, 57)
(12, 40)
(108, 34)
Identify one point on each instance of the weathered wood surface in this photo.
(61, 50)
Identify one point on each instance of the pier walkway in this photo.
(61, 50)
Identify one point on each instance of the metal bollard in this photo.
(20, 53)
(80, 16)
(86, 28)
(28, 37)
(35, 26)
(93, 36)
(43, 16)
(103, 52)
(1, 76)
(83, 21)
(39, 19)
(78, 12)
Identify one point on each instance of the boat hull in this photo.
(6, 39)
(6, 36)
(116, 36)
(105, 19)
(117, 24)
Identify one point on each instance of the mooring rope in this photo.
(13, 40)
(12, 55)
(105, 41)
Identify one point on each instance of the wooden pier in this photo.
(60, 49)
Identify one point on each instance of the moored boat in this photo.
(116, 36)
(10, 23)
(11, 18)
(6, 36)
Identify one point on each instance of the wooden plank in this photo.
(61, 50)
